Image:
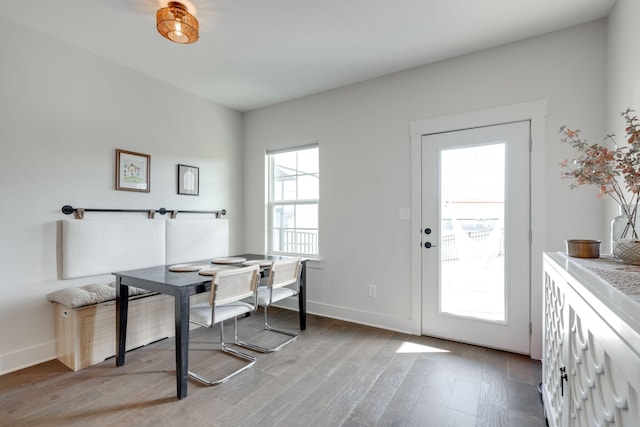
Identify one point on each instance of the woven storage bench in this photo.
(86, 335)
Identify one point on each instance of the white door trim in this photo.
(536, 112)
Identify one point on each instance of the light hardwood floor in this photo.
(336, 374)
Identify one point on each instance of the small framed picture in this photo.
(188, 180)
(132, 171)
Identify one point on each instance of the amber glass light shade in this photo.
(177, 24)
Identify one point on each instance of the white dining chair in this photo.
(283, 282)
(228, 288)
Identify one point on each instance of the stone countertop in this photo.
(613, 286)
(621, 276)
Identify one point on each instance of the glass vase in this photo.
(621, 227)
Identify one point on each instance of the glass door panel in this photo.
(472, 232)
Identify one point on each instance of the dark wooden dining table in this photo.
(181, 285)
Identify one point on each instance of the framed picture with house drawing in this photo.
(132, 171)
(188, 180)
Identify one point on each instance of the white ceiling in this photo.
(254, 53)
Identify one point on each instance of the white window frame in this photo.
(270, 203)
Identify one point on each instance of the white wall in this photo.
(63, 112)
(623, 63)
(363, 131)
(623, 78)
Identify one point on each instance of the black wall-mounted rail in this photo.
(68, 210)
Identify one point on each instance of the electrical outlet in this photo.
(372, 291)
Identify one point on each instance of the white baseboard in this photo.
(407, 326)
(24, 358)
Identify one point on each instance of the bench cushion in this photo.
(89, 294)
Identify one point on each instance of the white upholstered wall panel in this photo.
(196, 239)
(93, 247)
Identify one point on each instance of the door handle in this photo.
(428, 245)
(563, 378)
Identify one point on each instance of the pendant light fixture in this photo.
(175, 23)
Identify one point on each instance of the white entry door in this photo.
(475, 236)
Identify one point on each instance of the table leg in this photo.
(302, 297)
(181, 303)
(122, 311)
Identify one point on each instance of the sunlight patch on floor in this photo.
(411, 347)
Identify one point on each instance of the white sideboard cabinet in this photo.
(591, 348)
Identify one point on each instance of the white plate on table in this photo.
(210, 271)
(183, 268)
(260, 262)
(228, 260)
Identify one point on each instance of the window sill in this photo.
(312, 262)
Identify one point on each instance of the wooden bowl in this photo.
(583, 248)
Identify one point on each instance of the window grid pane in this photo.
(295, 240)
(293, 200)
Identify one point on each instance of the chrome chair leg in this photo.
(223, 347)
(293, 336)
